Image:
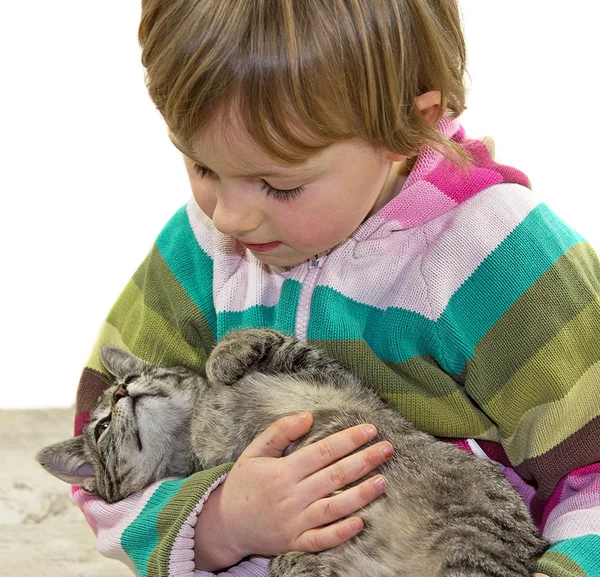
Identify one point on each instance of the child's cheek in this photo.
(204, 199)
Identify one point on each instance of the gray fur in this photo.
(445, 513)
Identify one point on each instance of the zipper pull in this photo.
(318, 260)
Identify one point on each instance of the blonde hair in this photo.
(304, 74)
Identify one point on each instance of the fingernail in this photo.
(370, 431)
(387, 450)
(301, 417)
(380, 484)
(356, 525)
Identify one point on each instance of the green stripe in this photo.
(188, 262)
(522, 257)
(147, 334)
(559, 565)
(551, 373)
(281, 317)
(583, 551)
(418, 389)
(349, 320)
(559, 295)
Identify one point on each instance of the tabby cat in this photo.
(445, 512)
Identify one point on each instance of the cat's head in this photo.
(138, 431)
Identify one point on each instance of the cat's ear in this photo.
(120, 363)
(67, 461)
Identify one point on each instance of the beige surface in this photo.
(42, 532)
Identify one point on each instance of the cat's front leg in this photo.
(298, 564)
(268, 352)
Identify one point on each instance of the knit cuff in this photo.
(182, 556)
(181, 562)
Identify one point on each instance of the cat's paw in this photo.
(298, 564)
(242, 351)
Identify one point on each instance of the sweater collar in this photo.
(436, 185)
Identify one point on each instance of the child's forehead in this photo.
(217, 145)
(228, 132)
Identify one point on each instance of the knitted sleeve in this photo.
(165, 314)
(520, 325)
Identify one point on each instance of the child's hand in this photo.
(271, 504)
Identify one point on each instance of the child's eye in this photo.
(202, 170)
(280, 194)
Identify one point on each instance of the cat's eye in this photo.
(101, 426)
(129, 379)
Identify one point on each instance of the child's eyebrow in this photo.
(296, 169)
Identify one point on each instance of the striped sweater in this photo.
(464, 301)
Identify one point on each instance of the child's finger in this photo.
(331, 509)
(317, 456)
(323, 538)
(347, 470)
(276, 438)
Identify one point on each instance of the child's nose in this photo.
(236, 216)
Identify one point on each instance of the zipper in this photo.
(308, 286)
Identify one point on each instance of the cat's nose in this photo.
(120, 393)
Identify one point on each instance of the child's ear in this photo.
(429, 104)
(120, 363)
(66, 461)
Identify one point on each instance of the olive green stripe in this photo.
(147, 334)
(549, 375)
(532, 321)
(417, 388)
(156, 281)
(558, 564)
(175, 513)
(544, 427)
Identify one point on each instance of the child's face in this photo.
(335, 190)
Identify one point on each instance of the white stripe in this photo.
(574, 523)
(463, 238)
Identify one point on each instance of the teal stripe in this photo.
(522, 257)
(335, 317)
(188, 262)
(140, 538)
(585, 551)
(281, 317)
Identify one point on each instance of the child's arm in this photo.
(522, 331)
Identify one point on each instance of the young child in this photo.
(337, 198)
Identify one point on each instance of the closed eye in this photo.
(279, 193)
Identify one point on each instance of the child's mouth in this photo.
(265, 247)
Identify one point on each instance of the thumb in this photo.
(276, 438)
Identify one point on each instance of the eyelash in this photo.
(280, 194)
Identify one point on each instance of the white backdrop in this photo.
(88, 176)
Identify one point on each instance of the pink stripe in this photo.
(451, 180)
(436, 184)
(460, 443)
(417, 204)
(81, 420)
(571, 484)
(525, 490)
(79, 495)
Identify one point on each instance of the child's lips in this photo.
(261, 247)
